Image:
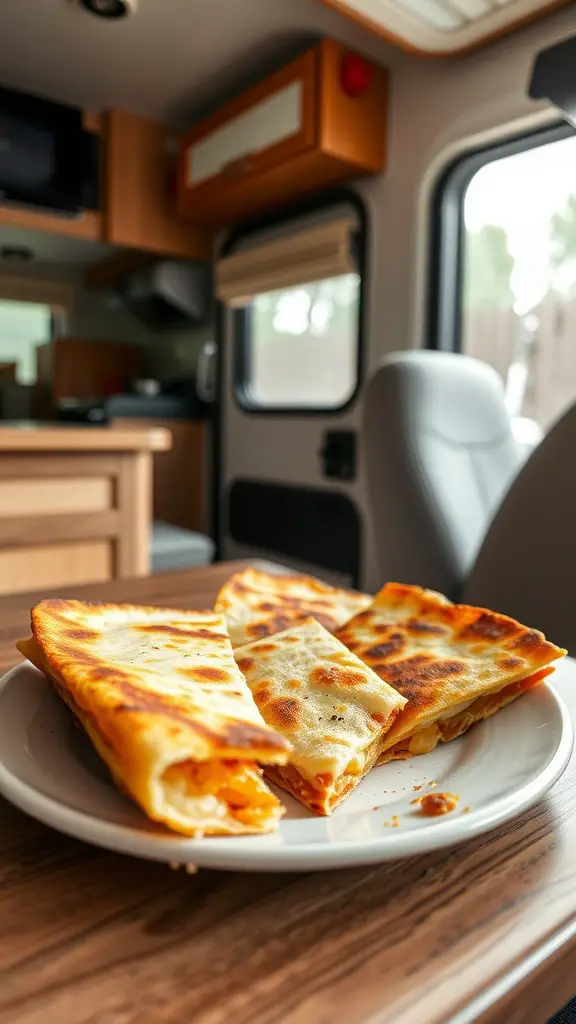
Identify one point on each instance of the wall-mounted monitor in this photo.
(47, 159)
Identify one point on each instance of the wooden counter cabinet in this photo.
(75, 505)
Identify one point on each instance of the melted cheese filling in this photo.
(188, 795)
(454, 723)
(219, 789)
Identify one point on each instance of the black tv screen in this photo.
(45, 154)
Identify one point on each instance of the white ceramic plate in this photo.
(498, 769)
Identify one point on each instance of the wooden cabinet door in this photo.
(140, 172)
(264, 128)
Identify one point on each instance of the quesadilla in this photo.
(334, 710)
(160, 696)
(258, 604)
(455, 664)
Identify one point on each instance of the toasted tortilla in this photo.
(161, 698)
(332, 708)
(258, 604)
(455, 664)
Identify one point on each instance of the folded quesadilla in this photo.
(258, 604)
(334, 710)
(455, 664)
(161, 698)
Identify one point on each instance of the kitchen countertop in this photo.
(484, 932)
(31, 436)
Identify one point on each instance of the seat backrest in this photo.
(439, 456)
(526, 566)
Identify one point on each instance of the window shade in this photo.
(302, 258)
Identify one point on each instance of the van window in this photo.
(23, 327)
(518, 278)
(301, 346)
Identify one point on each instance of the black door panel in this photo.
(304, 523)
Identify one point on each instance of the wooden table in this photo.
(484, 932)
(75, 503)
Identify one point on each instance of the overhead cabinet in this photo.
(319, 120)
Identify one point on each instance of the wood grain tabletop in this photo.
(485, 931)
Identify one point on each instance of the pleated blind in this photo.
(301, 258)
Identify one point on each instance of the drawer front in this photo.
(55, 565)
(55, 496)
(266, 126)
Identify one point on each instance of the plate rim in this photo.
(240, 853)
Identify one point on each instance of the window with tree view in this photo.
(519, 280)
(302, 345)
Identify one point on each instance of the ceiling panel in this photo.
(444, 26)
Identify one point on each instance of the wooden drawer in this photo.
(295, 132)
(55, 496)
(55, 565)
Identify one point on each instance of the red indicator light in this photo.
(356, 74)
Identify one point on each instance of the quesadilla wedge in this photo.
(160, 696)
(334, 710)
(258, 604)
(456, 664)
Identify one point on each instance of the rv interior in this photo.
(289, 284)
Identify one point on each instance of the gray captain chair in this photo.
(439, 456)
(526, 566)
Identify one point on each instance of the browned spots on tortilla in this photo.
(532, 643)
(242, 735)
(245, 664)
(207, 674)
(364, 616)
(262, 695)
(335, 675)
(110, 674)
(328, 620)
(379, 717)
(259, 629)
(419, 677)
(510, 662)
(246, 736)
(76, 655)
(181, 632)
(265, 648)
(283, 713)
(140, 700)
(80, 634)
(489, 626)
(349, 642)
(275, 624)
(393, 645)
(293, 684)
(421, 626)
